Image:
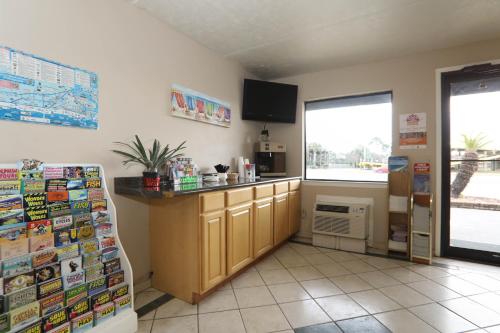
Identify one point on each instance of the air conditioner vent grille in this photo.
(341, 219)
(332, 224)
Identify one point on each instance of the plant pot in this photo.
(151, 179)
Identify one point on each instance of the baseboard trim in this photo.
(141, 286)
(302, 239)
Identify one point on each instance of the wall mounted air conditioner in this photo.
(341, 219)
(341, 225)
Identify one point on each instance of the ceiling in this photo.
(277, 38)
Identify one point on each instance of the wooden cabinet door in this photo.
(263, 226)
(281, 224)
(239, 237)
(213, 264)
(294, 211)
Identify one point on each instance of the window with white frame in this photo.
(348, 138)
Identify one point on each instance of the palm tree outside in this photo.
(469, 165)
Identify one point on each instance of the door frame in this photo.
(442, 230)
(438, 148)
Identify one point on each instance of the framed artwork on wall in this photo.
(190, 104)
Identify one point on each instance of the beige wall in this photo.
(413, 82)
(137, 58)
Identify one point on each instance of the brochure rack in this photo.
(399, 207)
(73, 274)
(421, 216)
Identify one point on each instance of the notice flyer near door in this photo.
(413, 131)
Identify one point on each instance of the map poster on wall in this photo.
(413, 131)
(187, 103)
(33, 89)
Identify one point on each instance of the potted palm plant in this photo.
(152, 159)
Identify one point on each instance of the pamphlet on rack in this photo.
(398, 203)
(422, 178)
(398, 163)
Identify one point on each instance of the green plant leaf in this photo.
(129, 147)
(140, 147)
(152, 152)
(156, 149)
(474, 143)
(172, 153)
(131, 158)
(152, 158)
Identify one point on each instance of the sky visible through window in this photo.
(349, 143)
(475, 114)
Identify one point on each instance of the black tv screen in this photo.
(269, 101)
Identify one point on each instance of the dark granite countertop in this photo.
(133, 186)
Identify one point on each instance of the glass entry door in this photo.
(471, 163)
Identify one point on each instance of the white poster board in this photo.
(413, 131)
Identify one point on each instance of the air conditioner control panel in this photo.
(345, 209)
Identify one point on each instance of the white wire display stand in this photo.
(421, 228)
(126, 320)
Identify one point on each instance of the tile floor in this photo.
(301, 288)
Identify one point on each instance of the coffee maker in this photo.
(270, 159)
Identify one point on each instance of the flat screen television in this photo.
(269, 101)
